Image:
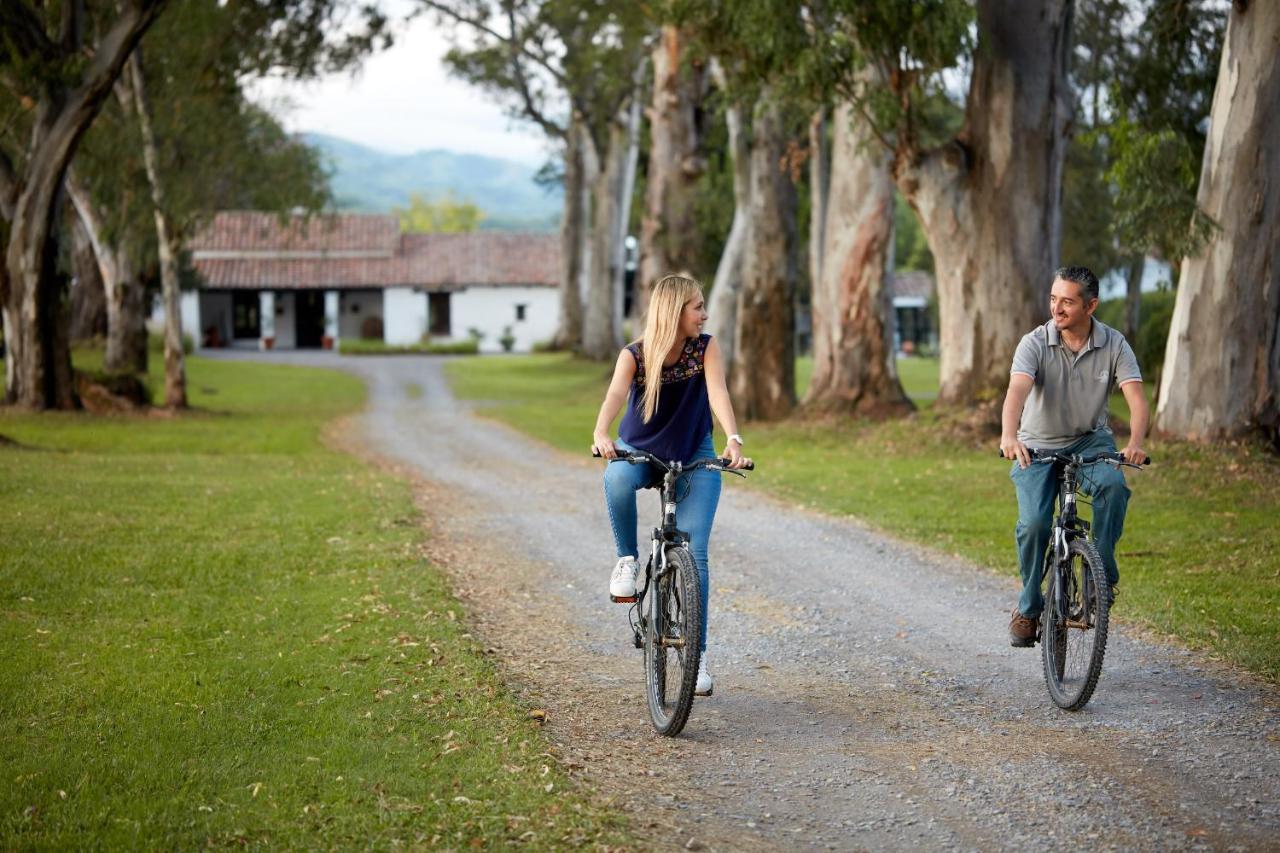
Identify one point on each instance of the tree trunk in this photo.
(819, 193)
(763, 382)
(37, 351)
(175, 372)
(626, 192)
(1222, 361)
(572, 233)
(37, 341)
(123, 291)
(854, 371)
(88, 299)
(669, 233)
(601, 335)
(1133, 298)
(613, 187)
(722, 308)
(990, 199)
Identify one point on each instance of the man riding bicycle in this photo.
(1062, 374)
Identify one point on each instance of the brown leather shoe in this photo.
(1023, 630)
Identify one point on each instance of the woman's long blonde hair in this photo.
(661, 326)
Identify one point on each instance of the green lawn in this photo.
(1198, 562)
(217, 632)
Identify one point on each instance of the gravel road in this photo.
(866, 694)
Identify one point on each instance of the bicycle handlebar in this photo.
(1055, 456)
(641, 456)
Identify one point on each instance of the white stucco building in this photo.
(268, 282)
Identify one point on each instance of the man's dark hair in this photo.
(1082, 276)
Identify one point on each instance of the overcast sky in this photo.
(402, 100)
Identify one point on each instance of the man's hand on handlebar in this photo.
(602, 445)
(1011, 448)
(1134, 454)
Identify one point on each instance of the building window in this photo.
(521, 311)
(245, 308)
(438, 309)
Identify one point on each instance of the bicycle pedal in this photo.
(622, 599)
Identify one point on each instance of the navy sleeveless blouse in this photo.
(683, 417)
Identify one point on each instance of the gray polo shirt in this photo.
(1069, 398)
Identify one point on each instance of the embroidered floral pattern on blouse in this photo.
(689, 364)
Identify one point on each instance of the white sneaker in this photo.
(705, 683)
(622, 584)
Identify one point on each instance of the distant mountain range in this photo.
(371, 181)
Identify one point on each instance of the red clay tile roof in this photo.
(252, 250)
(244, 231)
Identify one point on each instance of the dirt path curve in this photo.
(866, 695)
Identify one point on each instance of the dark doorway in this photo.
(309, 318)
(245, 320)
(438, 310)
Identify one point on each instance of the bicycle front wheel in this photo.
(672, 639)
(1076, 613)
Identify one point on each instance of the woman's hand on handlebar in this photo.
(733, 452)
(602, 445)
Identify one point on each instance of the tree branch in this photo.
(511, 41)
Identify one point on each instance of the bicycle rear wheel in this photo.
(1076, 614)
(671, 642)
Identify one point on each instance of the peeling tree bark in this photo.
(123, 291)
(990, 199)
(175, 371)
(819, 192)
(612, 189)
(763, 381)
(853, 361)
(1222, 361)
(601, 333)
(572, 240)
(722, 307)
(668, 233)
(88, 299)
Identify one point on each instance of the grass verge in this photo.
(1198, 560)
(215, 631)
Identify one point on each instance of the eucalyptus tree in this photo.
(59, 92)
(219, 152)
(1222, 361)
(574, 70)
(58, 62)
(988, 193)
(1144, 105)
(669, 236)
(780, 51)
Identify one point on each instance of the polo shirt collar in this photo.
(1097, 337)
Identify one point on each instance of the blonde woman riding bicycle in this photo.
(671, 381)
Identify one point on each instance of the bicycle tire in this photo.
(674, 615)
(1075, 622)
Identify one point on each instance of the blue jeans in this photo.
(694, 513)
(1037, 489)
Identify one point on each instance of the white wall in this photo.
(190, 308)
(404, 315)
(492, 309)
(358, 306)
